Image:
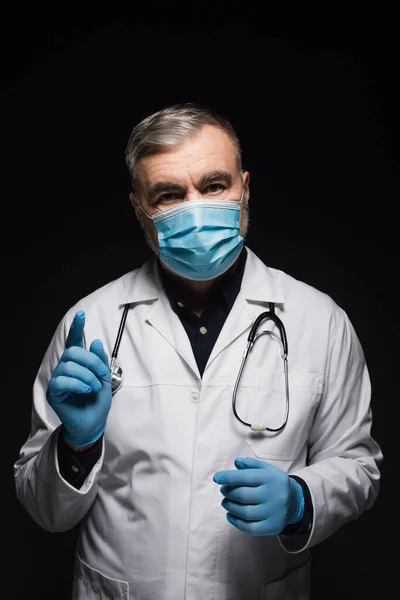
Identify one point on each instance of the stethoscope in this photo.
(117, 374)
(251, 340)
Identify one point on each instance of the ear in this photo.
(246, 179)
(135, 205)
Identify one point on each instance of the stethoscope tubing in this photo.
(117, 374)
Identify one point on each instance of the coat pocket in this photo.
(90, 584)
(295, 586)
(267, 405)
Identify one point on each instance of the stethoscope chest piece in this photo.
(117, 377)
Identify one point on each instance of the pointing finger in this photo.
(75, 334)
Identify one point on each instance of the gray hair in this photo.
(168, 127)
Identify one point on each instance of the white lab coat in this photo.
(151, 522)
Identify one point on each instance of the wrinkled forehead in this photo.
(209, 148)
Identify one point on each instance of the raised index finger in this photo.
(75, 334)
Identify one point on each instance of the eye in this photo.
(219, 187)
(171, 196)
(212, 188)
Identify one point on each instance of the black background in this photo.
(315, 105)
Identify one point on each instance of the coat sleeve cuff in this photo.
(302, 527)
(74, 466)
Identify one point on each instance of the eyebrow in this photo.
(206, 179)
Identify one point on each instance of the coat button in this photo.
(194, 396)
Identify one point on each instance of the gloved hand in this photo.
(79, 390)
(260, 498)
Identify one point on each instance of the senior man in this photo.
(191, 473)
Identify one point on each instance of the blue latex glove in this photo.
(260, 498)
(79, 390)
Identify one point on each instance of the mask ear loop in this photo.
(243, 189)
(143, 211)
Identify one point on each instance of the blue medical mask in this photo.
(199, 239)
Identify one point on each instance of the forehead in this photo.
(208, 148)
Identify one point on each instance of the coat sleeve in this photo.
(50, 500)
(342, 471)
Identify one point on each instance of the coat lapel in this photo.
(259, 287)
(167, 323)
(146, 286)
